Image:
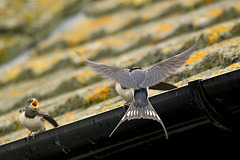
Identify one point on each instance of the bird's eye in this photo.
(127, 70)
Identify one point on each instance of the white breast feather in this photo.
(33, 124)
(126, 94)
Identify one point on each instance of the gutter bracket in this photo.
(217, 116)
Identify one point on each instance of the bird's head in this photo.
(32, 103)
(134, 68)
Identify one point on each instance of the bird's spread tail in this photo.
(147, 112)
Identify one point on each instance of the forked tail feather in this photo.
(147, 112)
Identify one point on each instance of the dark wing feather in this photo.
(163, 86)
(47, 117)
(164, 68)
(113, 73)
(22, 110)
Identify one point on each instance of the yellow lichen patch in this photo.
(70, 119)
(198, 77)
(196, 57)
(113, 41)
(227, 69)
(136, 2)
(98, 95)
(112, 106)
(167, 49)
(217, 72)
(179, 84)
(141, 2)
(189, 3)
(175, 15)
(207, 1)
(83, 30)
(11, 74)
(164, 27)
(45, 2)
(17, 126)
(131, 36)
(82, 77)
(45, 44)
(237, 6)
(126, 2)
(38, 66)
(69, 114)
(48, 126)
(233, 66)
(51, 7)
(67, 118)
(74, 39)
(118, 43)
(15, 93)
(100, 21)
(215, 12)
(145, 17)
(216, 31)
(233, 43)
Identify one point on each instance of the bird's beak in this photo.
(35, 103)
(127, 70)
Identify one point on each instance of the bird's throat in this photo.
(30, 113)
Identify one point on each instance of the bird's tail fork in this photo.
(147, 112)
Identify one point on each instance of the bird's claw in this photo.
(28, 138)
(33, 135)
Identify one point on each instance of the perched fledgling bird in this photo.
(33, 119)
(126, 93)
(139, 81)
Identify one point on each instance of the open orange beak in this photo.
(35, 104)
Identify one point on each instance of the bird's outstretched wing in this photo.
(166, 67)
(47, 117)
(113, 73)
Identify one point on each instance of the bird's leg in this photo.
(126, 106)
(35, 133)
(29, 136)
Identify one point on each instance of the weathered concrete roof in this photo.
(123, 33)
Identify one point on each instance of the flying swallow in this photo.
(139, 81)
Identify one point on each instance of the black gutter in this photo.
(192, 114)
